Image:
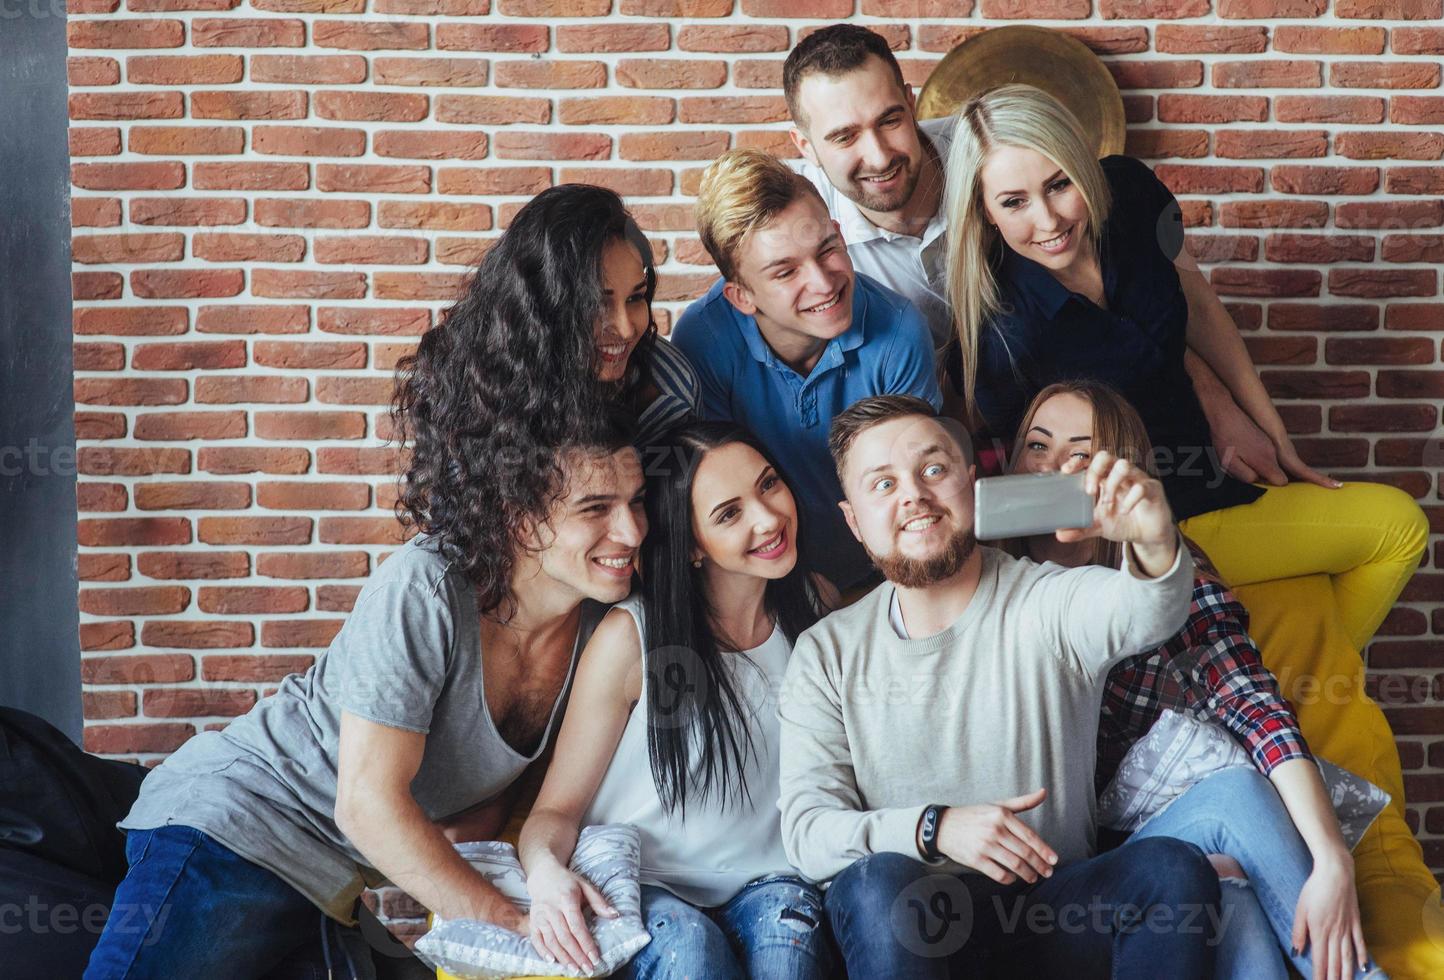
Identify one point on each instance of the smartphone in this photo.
(1029, 503)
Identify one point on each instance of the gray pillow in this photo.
(607, 855)
(1180, 749)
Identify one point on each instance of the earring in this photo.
(696, 563)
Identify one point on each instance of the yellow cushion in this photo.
(1323, 676)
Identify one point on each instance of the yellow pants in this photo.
(1367, 537)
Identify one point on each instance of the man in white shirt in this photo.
(878, 169)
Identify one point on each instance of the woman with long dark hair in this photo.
(672, 727)
(1270, 830)
(557, 320)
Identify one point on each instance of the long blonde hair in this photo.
(1018, 116)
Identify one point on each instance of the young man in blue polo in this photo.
(791, 336)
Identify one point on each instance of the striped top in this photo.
(678, 399)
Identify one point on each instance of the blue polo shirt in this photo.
(887, 351)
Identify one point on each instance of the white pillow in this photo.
(1180, 749)
(607, 855)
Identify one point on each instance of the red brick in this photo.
(1389, 145)
(1156, 74)
(671, 73)
(303, 213)
(1401, 215)
(1266, 282)
(309, 69)
(187, 140)
(254, 530)
(419, 286)
(236, 600)
(372, 178)
(95, 212)
(236, 32)
(1022, 10)
(96, 285)
(103, 567)
(133, 739)
(1274, 144)
(1369, 74)
(311, 6)
(387, 357)
(207, 355)
(435, 8)
(345, 460)
(554, 8)
(1379, 350)
(732, 109)
(361, 530)
(510, 38)
(270, 318)
(129, 391)
(582, 38)
(172, 5)
(1152, 9)
(126, 33)
(320, 141)
(189, 211)
(1414, 316)
(370, 250)
(209, 564)
(550, 74)
(138, 669)
(206, 69)
(432, 144)
(1414, 180)
(106, 705)
(1329, 40)
(125, 531)
(192, 496)
(248, 247)
(355, 320)
(93, 71)
(552, 146)
(1212, 108)
(1210, 249)
(336, 598)
(128, 248)
(310, 426)
(248, 105)
(448, 72)
(316, 633)
(1413, 248)
(1417, 110)
(100, 497)
(253, 459)
(1210, 39)
(245, 388)
(1411, 384)
(1316, 384)
(617, 110)
(99, 425)
(1107, 40)
(128, 176)
(674, 145)
(196, 702)
(285, 284)
(372, 106)
(1383, 418)
(313, 564)
(1330, 454)
(462, 251)
(1300, 351)
(391, 35)
(1194, 179)
(1378, 283)
(1325, 180)
(355, 391)
(176, 426)
(111, 635)
(676, 8)
(758, 73)
(206, 634)
(1390, 9)
(1329, 109)
(256, 668)
(313, 496)
(1270, 9)
(110, 461)
(309, 356)
(1323, 317)
(486, 110)
(1417, 40)
(1268, 74)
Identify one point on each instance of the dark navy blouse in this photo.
(1047, 333)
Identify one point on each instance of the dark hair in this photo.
(681, 640)
(833, 50)
(507, 381)
(865, 413)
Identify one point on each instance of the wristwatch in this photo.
(928, 831)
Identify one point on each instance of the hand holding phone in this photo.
(1030, 503)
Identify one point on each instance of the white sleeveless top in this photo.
(707, 858)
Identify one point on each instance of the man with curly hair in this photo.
(249, 847)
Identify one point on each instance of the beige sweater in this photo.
(1006, 699)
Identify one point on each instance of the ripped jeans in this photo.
(773, 929)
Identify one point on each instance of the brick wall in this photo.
(273, 199)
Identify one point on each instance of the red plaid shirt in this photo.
(1211, 670)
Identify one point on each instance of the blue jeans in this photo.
(770, 930)
(190, 908)
(1146, 909)
(1238, 812)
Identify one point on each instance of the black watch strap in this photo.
(928, 831)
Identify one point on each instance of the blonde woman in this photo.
(1062, 266)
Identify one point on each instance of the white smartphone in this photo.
(1029, 503)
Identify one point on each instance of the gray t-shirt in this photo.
(409, 657)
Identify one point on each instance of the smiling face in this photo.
(910, 500)
(625, 314)
(589, 544)
(794, 275)
(1037, 209)
(1061, 429)
(859, 127)
(744, 518)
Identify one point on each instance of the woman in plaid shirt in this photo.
(1274, 823)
